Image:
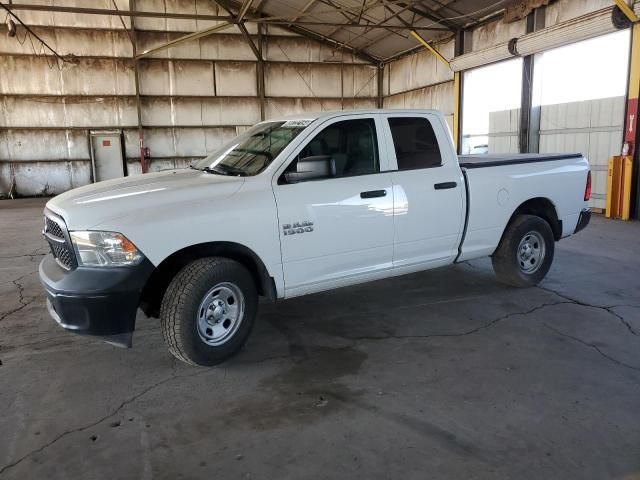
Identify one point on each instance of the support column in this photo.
(529, 132)
(136, 62)
(457, 95)
(631, 135)
(260, 72)
(380, 79)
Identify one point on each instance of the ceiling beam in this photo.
(111, 12)
(186, 38)
(430, 16)
(395, 28)
(376, 40)
(243, 10)
(305, 32)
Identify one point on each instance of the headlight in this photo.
(105, 249)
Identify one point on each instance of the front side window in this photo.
(351, 146)
(415, 143)
(251, 152)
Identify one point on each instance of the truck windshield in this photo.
(251, 152)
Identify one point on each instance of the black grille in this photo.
(62, 250)
(54, 229)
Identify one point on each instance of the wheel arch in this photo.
(157, 284)
(541, 207)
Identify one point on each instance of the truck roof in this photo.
(337, 113)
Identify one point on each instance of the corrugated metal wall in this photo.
(503, 131)
(193, 96)
(591, 127)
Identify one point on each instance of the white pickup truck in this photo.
(295, 206)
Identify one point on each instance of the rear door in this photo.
(338, 230)
(428, 190)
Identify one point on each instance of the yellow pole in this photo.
(430, 48)
(627, 170)
(456, 109)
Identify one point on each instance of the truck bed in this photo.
(493, 194)
(497, 160)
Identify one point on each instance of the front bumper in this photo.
(583, 220)
(95, 301)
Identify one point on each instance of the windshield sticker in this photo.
(297, 123)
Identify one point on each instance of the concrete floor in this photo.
(442, 374)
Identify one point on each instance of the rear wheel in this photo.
(525, 252)
(208, 310)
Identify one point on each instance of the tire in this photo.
(208, 311)
(525, 252)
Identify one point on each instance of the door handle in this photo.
(445, 185)
(373, 194)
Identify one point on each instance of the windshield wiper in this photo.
(228, 170)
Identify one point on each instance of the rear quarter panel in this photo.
(496, 192)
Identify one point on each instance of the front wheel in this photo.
(525, 253)
(208, 311)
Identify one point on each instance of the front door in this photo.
(337, 230)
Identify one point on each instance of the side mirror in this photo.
(311, 168)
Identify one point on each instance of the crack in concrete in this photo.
(34, 254)
(21, 297)
(595, 347)
(462, 334)
(608, 309)
(30, 256)
(122, 405)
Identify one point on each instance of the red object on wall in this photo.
(106, 143)
(631, 125)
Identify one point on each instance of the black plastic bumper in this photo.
(95, 301)
(583, 220)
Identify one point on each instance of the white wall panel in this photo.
(437, 97)
(43, 178)
(67, 112)
(195, 111)
(176, 6)
(593, 128)
(236, 79)
(32, 75)
(563, 10)
(76, 20)
(73, 42)
(178, 142)
(280, 107)
(301, 49)
(98, 77)
(359, 81)
(419, 70)
(496, 32)
(33, 145)
(214, 47)
(177, 78)
(307, 80)
(503, 131)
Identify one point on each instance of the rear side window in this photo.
(415, 143)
